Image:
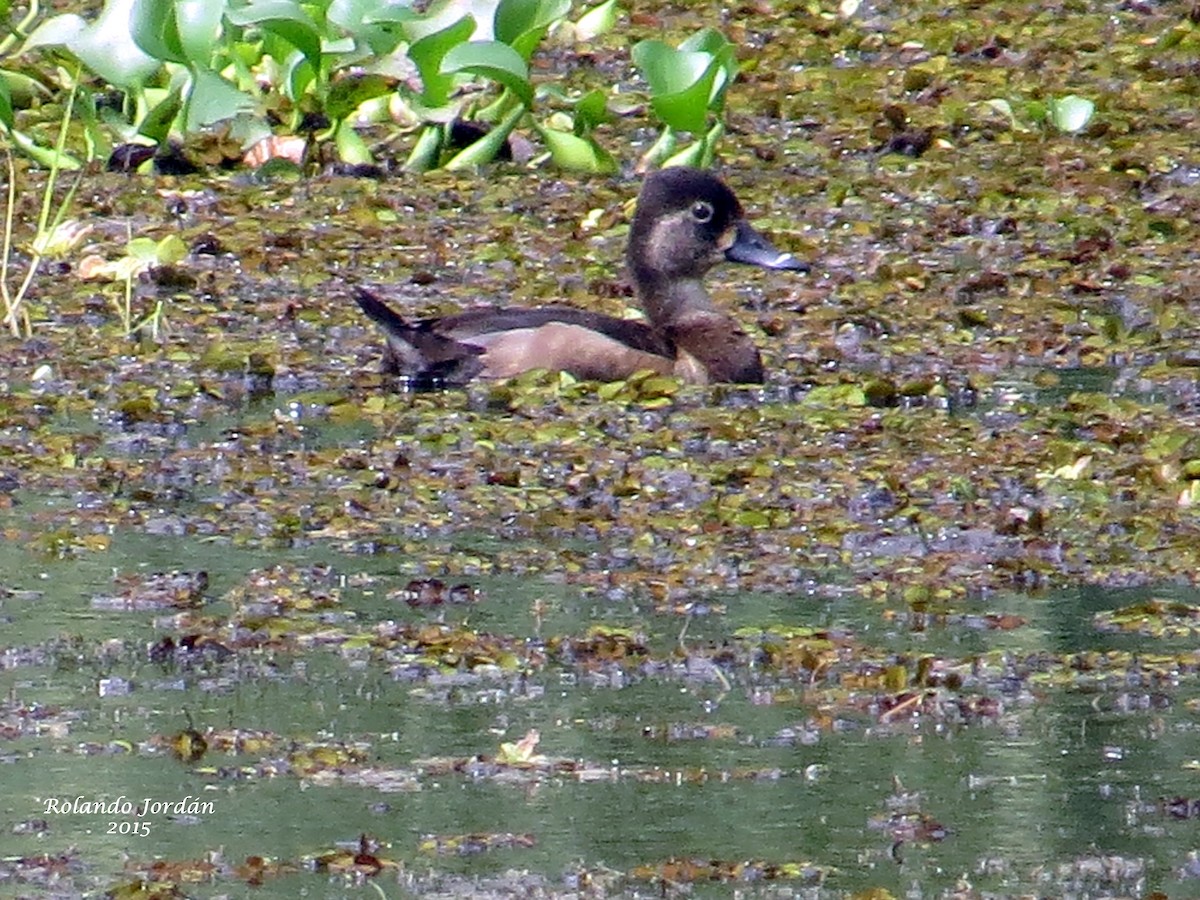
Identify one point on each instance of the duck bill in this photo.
(752, 248)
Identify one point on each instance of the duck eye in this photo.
(702, 211)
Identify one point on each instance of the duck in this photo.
(685, 222)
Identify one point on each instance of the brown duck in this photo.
(686, 222)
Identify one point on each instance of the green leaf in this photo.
(148, 251)
(298, 72)
(285, 20)
(379, 29)
(156, 124)
(22, 89)
(428, 149)
(706, 40)
(493, 60)
(43, 156)
(106, 46)
(199, 24)
(213, 99)
(691, 155)
(153, 27)
(6, 108)
(591, 110)
(351, 91)
(521, 24)
(485, 149)
(351, 147)
(579, 154)
(684, 84)
(427, 55)
(1071, 113)
(597, 21)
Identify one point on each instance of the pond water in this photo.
(1056, 792)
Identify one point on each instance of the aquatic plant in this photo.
(52, 233)
(325, 68)
(687, 93)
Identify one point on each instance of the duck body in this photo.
(686, 222)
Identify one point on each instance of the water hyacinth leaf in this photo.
(213, 99)
(351, 147)
(682, 83)
(350, 92)
(425, 153)
(6, 108)
(285, 20)
(365, 22)
(597, 21)
(427, 54)
(381, 30)
(43, 156)
(106, 46)
(485, 149)
(591, 110)
(579, 154)
(521, 24)
(23, 90)
(691, 155)
(154, 28)
(1071, 114)
(199, 24)
(492, 60)
(298, 72)
(168, 251)
(156, 124)
(707, 40)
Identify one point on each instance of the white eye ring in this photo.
(702, 211)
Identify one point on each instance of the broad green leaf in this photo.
(521, 24)
(351, 91)
(591, 110)
(428, 149)
(22, 89)
(43, 156)
(706, 40)
(492, 60)
(199, 23)
(156, 124)
(153, 27)
(148, 251)
(485, 149)
(692, 155)
(597, 21)
(579, 154)
(379, 29)
(427, 54)
(285, 20)
(298, 72)
(682, 83)
(1071, 113)
(6, 109)
(213, 99)
(106, 46)
(351, 147)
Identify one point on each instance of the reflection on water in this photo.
(1070, 772)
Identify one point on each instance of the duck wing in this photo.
(501, 342)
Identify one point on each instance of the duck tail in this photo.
(414, 351)
(379, 312)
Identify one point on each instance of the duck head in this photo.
(686, 222)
